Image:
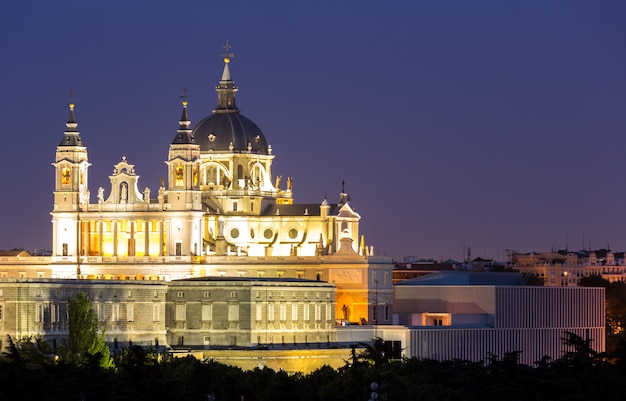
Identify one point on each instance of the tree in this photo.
(28, 351)
(534, 280)
(85, 346)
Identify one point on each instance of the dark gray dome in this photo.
(217, 131)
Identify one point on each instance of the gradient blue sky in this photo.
(489, 124)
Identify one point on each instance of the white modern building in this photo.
(470, 315)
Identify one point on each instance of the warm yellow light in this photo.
(227, 60)
(107, 247)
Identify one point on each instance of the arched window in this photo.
(179, 175)
(65, 175)
(211, 176)
(240, 171)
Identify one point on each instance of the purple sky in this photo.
(485, 124)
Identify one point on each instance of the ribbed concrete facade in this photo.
(473, 321)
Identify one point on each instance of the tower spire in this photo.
(184, 134)
(71, 136)
(226, 90)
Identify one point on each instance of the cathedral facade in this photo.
(219, 216)
(220, 213)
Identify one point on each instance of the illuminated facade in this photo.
(218, 256)
(200, 314)
(565, 268)
(221, 213)
(470, 315)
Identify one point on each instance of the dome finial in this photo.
(71, 100)
(71, 122)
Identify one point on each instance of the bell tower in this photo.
(71, 166)
(183, 166)
(71, 193)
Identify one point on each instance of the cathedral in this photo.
(220, 218)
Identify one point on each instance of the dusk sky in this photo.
(485, 124)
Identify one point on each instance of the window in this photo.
(181, 312)
(234, 210)
(306, 316)
(294, 312)
(207, 294)
(100, 312)
(179, 175)
(283, 312)
(318, 312)
(233, 313)
(233, 294)
(329, 312)
(207, 312)
(65, 252)
(180, 294)
(39, 313)
(179, 249)
(65, 175)
(115, 312)
(270, 312)
(156, 313)
(130, 312)
(54, 313)
(259, 311)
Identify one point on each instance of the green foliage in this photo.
(28, 351)
(85, 346)
(534, 280)
(615, 302)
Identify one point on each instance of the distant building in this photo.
(408, 271)
(468, 315)
(566, 268)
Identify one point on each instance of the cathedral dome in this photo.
(231, 131)
(227, 130)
